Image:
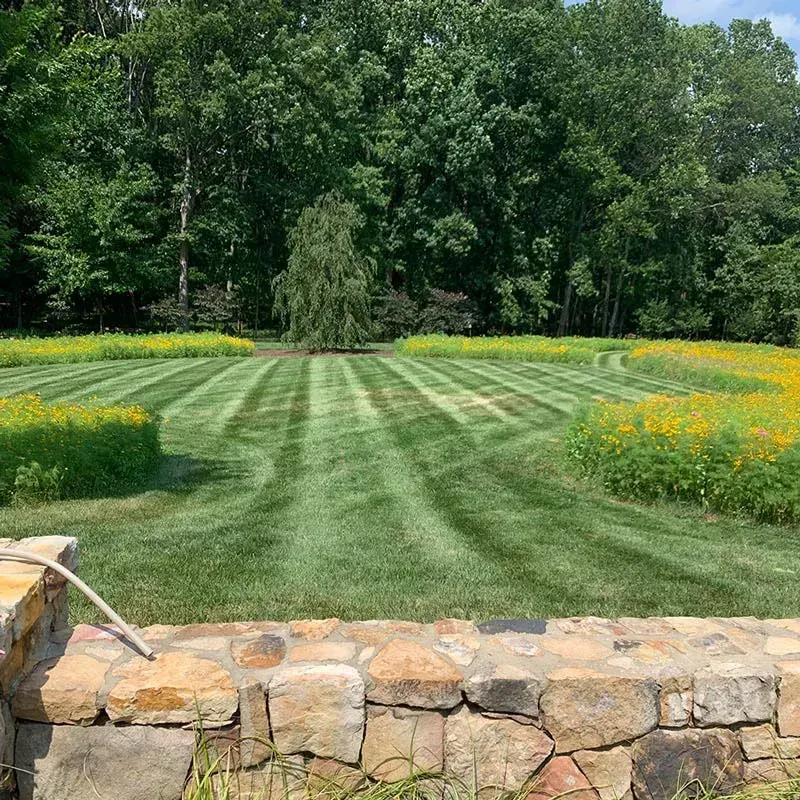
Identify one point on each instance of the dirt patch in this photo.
(321, 353)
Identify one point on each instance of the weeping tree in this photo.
(324, 293)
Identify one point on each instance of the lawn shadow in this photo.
(176, 474)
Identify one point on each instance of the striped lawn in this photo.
(368, 487)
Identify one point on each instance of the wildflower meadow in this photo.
(114, 346)
(735, 449)
(57, 450)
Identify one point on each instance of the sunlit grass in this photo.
(371, 487)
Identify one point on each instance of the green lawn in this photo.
(365, 487)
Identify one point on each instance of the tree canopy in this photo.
(592, 169)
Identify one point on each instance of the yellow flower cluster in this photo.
(766, 421)
(735, 447)
(758, 426)
(72, 349)
(94, 448)
(29, 411)
(508, 348)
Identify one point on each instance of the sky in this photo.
(784, 14)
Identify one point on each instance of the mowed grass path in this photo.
(366, 487)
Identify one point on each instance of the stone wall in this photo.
(603, 709)
(33, 605)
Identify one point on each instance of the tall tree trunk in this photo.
(19, 307)
(617, 296)
(606, 301)
(618, 293)
(575, 231)
(187, 206)
(134, 309)
(563, 322)
(258, 303)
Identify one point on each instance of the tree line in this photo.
(512, 165)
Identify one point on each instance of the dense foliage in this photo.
(735, 450)
(594, 169)
(110, 347)
(64, 450)
(324, 292)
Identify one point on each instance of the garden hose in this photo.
(32, 558)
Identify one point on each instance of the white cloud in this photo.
(787, 26)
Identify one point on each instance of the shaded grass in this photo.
(373, 487)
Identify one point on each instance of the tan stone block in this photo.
(318, 709)
(591, 625)
(409, 673)
(263, 652)
(61, 549)
(459, 648)
(315, 630)
(694, 626)
(651, 626)
(584, 710)
(789, 698)
(448, 627)
(375, 632)
(255, 742)
(561, 777)
(332, 779)
(499, 753)
(401, 741)
(792, 625)
(763, 742)
(322, 651)
(729, 694)
(63, 690)
(675, 701)
(22, 599)
(174, 687)
(214, 630)
(769, 771)
(608, 771)
(12, 666)
(520, 644)
(782, 646)
(577, 648)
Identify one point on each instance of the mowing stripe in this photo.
(81, 382)
(164, 373)
(476, 390)
(201, 390)
(520, 393)
(409, 375)
(426, 537)
(248, 395)
(37, 378)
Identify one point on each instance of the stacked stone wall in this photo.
(624, 709)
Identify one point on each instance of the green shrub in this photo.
(726, 452)
(59, 450)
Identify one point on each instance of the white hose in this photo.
(32, 558)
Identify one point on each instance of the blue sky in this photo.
(784, 14)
